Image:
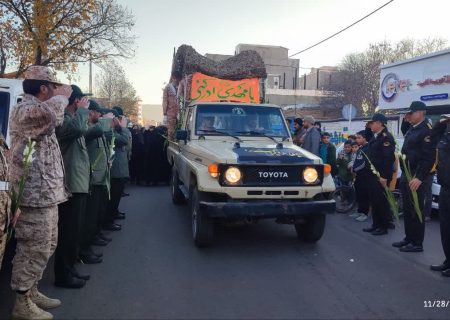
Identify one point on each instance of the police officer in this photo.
(381, 153)
(441, 131)
(77, 168)
(419, 150)
(119, 169)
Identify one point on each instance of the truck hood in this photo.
(252, 151)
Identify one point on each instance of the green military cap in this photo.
(113, 111)
(94, 106)
(379, 117)
(417, 106)
(119, 110)
(77, 93)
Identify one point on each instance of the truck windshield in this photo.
(240, 120)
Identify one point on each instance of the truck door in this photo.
(182, 162)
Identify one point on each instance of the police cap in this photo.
(379, 117)
(417, 106)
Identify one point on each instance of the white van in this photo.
(11, 92)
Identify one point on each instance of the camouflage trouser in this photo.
(37, 236)
(171, 126)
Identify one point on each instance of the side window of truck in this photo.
(189, 120)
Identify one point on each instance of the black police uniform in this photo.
(420, 153)
(381, 153)
(442, 133)
(362, 170)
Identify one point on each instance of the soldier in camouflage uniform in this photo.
(5, 201)
(170, 104)
(36, 117)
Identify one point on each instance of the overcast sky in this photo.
(213, 26)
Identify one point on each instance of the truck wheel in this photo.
(177, 195)
(312, 230)
(202, 225)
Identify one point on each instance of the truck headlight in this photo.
(310, 175)
(233, 175)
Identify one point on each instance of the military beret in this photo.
(417, 106)
(119, 110)
(379, 117)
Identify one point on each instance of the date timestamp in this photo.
(436, 303)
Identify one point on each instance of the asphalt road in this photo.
(151, 269)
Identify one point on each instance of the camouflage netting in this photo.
(247, 64)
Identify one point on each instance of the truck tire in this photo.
(177, 194)
(202, 225)
(312, 230)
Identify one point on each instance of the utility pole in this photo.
(90, 76)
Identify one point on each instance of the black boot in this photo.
(70, 282)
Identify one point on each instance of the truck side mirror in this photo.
(181, 135)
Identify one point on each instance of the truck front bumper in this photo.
(267, 209)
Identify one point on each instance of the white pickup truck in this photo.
(236, 163)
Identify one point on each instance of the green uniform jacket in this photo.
(73, 149)
(119, 167)
(98, 152)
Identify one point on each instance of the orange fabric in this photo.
(206, 88)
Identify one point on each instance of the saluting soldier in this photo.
(119, 169)
(35, 118)
(420, 151)
(99, 184)
(77, 168)
(170, 103)
(381, 153)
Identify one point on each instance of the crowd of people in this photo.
(72, 188)
(148, 163)
(84, 154)
(370, 161)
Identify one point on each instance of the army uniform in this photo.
(77, 168)
(5, 200)
(381, 153)
(37, 227)
(170, 108)
(441, 133)
(119, 173)
(100, 185)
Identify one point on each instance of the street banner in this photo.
(211, 89)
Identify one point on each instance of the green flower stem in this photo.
(388, 193)
(414, 196)
(16, 196)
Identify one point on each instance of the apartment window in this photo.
(276, 82)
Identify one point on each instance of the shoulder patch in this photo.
(387, 144)
(427, 139)
(429, 125)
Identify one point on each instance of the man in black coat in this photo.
(420, 152)
(441, 133)
(381, 154)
